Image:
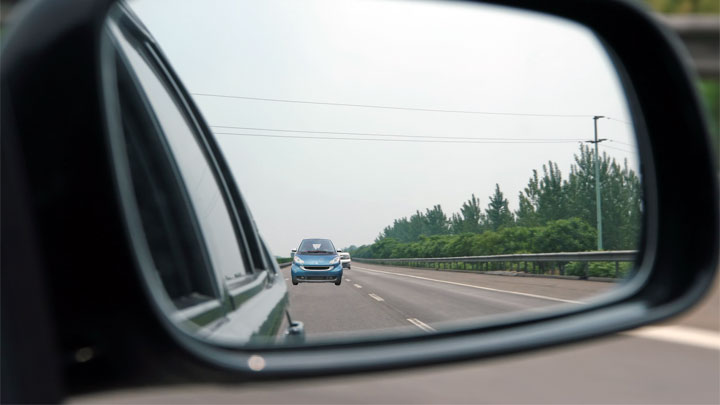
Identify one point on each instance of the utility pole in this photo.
(597, 185)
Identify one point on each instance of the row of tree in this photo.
(551, 208)
(564, 235)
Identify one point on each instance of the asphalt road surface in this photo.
(674, 363)
(374, 299)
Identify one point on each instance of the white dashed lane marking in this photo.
(376, 297)
(357, 285)
(422, 325)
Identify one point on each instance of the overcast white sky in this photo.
(416, 54)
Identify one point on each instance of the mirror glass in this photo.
(412, 166)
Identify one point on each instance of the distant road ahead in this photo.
(377, 299)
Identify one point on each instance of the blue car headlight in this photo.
(334, 261)
(298, 260)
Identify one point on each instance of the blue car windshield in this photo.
(318, 246)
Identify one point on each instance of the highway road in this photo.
(375, 299)
(674, 363)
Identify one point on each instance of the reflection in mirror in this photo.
(414, 166)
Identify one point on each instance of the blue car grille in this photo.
(317, 278)
(317, 267)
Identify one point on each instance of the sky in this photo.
(473, 95)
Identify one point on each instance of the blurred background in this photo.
(698, 24)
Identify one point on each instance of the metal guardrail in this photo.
(517, 262)
(283, 265)
(603, 256)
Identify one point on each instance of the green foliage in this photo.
(685, 6)
(436, 222)
(470, 218)
(710, 90)
(597, 269)
(527, 214)
(281, 260)
(552, 201)
(432, 222)
(564, 235)
(554, 215)
(498, 211)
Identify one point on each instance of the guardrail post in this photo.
(617, 269)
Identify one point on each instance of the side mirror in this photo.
(673, 267)
(662, 271)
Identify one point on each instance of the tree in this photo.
(498, 212)
(621, 207)
(553, 215)
(580, 186)
(621, 195)
(470, 219)
(551, 198)
(436, 222)
(527, 215)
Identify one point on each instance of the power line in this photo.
(622, 143)
(394, 135)
(619, 149)
(387, 140)
(437, 110)
(618, 120)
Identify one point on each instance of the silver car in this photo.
(345, 260)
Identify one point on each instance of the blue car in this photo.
(316, 261)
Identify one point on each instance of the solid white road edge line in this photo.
(376, 297)
(422, 325)
(679, 334)
(474, 286)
